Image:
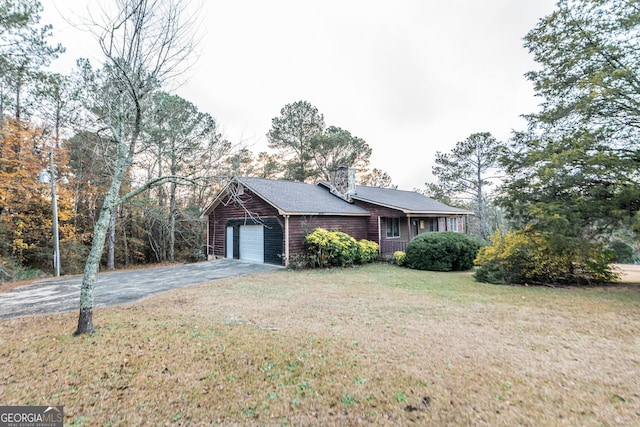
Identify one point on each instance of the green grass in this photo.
(375, 345)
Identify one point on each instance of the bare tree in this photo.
(180, 137)
(145, 43)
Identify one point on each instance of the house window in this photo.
(433, 224)
(393, 227)
(453, 224)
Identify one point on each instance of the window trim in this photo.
(392, 224)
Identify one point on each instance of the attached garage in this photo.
(265, 220)
(254, 242)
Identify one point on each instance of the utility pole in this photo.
(56, 236)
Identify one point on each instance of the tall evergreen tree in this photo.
(336, 147)
(575, 170)
(24, 52)
(291, 134)
(376, 178)
(467, 173)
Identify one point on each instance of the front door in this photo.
(414, 228)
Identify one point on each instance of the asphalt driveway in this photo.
(61, 294)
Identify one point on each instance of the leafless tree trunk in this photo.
(111, 241)
(144, 45)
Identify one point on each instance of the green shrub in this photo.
(442, 251)
(331, 248)
(623, 253)
(526, 256)
(368, 251)
(11, 270)
(399, 258)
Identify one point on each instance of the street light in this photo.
(45, 178)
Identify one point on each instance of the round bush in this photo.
(399, 258)
(442, 251)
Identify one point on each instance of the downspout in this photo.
(286, 240)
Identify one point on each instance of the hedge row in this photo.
(335, 248)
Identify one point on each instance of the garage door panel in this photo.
(252, 243)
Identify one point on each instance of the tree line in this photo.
(563, 194)
(138, 162)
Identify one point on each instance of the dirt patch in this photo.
(629, 273)
(7, 286)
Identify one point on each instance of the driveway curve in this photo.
(62, 294)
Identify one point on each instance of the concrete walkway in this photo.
(58, 295)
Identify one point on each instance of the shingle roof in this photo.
(409, 202)
(406, 201)
(299, 198)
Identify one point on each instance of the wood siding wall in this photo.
(231, 214)
(222, 214)
(356, 227)
(388, 245)
(381, 212)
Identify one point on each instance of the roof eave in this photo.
(322, 213)
(409, 212)
(373, 202)
(216, 201)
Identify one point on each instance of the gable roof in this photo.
(409, 202)
(293, 198)
(299, 198)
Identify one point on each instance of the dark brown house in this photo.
(266, 220)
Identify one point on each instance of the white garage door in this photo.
(252, 243)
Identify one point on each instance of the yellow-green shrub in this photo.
(331, 248)
(526, 256)
(398, 257)
(335, 248)
(368, 251)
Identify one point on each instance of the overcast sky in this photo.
(410, 77)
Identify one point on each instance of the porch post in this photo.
(206, 245)
(286, 240)
(379, 237)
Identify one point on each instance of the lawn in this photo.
(374, 345)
